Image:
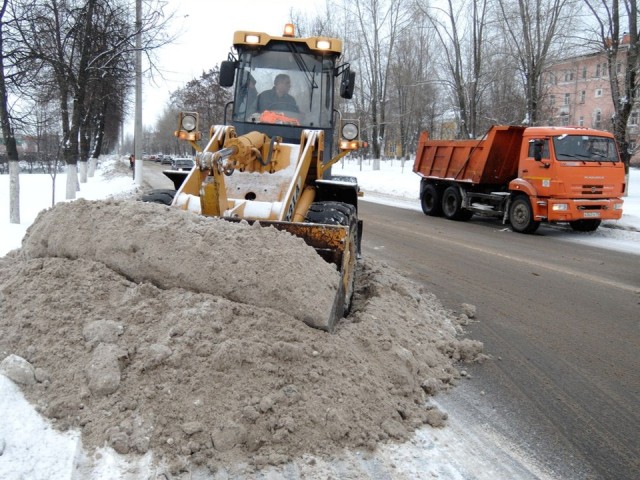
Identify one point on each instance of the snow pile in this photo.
(200, 380)
(173, 248)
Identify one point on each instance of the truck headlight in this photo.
(560, 207)
(349, 131)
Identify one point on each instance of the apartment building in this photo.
(578, 93)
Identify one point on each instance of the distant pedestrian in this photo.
(132, 161)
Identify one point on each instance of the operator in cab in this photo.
(278, 97)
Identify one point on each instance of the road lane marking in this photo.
(525, 261)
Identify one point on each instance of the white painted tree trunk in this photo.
(72, 181)
(93, 163)
(82, 172)
(14, 192)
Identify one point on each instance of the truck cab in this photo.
(571, 174)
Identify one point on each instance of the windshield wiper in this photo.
(568, 156)
(313, 87)
(303, 67)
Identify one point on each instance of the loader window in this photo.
(310, 88)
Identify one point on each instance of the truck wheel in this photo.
(163, 196)
(452, 205)
(338, 213)
(521, 215)
(430, 201)
(585, 225)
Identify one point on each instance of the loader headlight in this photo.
(189, 122)
(617, 206)
(349, 131)
(560, 207)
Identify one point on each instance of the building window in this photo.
(597, 75)
(581, 121)
(605, 70)
(584, 72)
(568, 76)
(597, 119)
(564, 120)
(583, 95)
(552, 99)
(598, 92)
(633, 119)
(567, 98)
(619, 68)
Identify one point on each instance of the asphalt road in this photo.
(561, 321)
(152, 176)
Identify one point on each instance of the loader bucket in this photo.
(336, 244)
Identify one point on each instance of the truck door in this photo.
(536, 166)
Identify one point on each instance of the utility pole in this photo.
(137, 135)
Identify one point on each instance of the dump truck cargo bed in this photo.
(491, 160)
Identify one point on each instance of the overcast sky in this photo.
(205, 33)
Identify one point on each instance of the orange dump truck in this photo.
(524, 175)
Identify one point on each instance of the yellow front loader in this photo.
(272, 165)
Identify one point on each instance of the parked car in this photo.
(182, 164)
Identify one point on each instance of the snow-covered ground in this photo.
(31, 449)
(394, 184)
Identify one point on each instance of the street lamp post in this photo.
(137, 135)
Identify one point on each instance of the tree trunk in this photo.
(99, 138)
(77, 114)
(14, 192)
(72, 181)
(7, 133)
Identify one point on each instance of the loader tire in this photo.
(163, 196)
(338, 213)
(331, 213)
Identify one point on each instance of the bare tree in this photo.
(414, 96)
(205, 96)
(378, 23)
(503, 100)
(7, 128)
(84, 44)
(532, 26)
(461, 31)
(621, 50)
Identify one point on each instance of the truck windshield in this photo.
(585, 148)
(284, 87)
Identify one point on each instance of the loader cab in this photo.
(284, 85)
